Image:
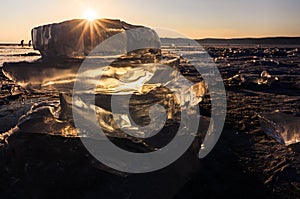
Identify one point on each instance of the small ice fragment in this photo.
(284, 128)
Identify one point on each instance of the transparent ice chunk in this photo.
(282, 127)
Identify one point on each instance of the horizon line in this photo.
(206, 38)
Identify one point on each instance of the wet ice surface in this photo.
(16, 53)
(241, 69)
(245, 95)
(257, 81)
(274, 163)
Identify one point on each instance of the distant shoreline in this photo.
(266, 41)
(13, 44)
(253, 41)
(9, 44)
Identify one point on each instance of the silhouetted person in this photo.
(29, 43)
(22, 43)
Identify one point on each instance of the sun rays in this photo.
(92, 32)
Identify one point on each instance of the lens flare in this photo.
(90, 15)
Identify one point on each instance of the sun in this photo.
(90, 15)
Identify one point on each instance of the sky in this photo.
(193, 18)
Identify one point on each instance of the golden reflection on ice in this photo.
(69, 131)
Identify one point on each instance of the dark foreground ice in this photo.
(44, 157)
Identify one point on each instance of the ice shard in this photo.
(77, 37)
(282, 127)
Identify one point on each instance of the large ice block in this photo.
(76, 38)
